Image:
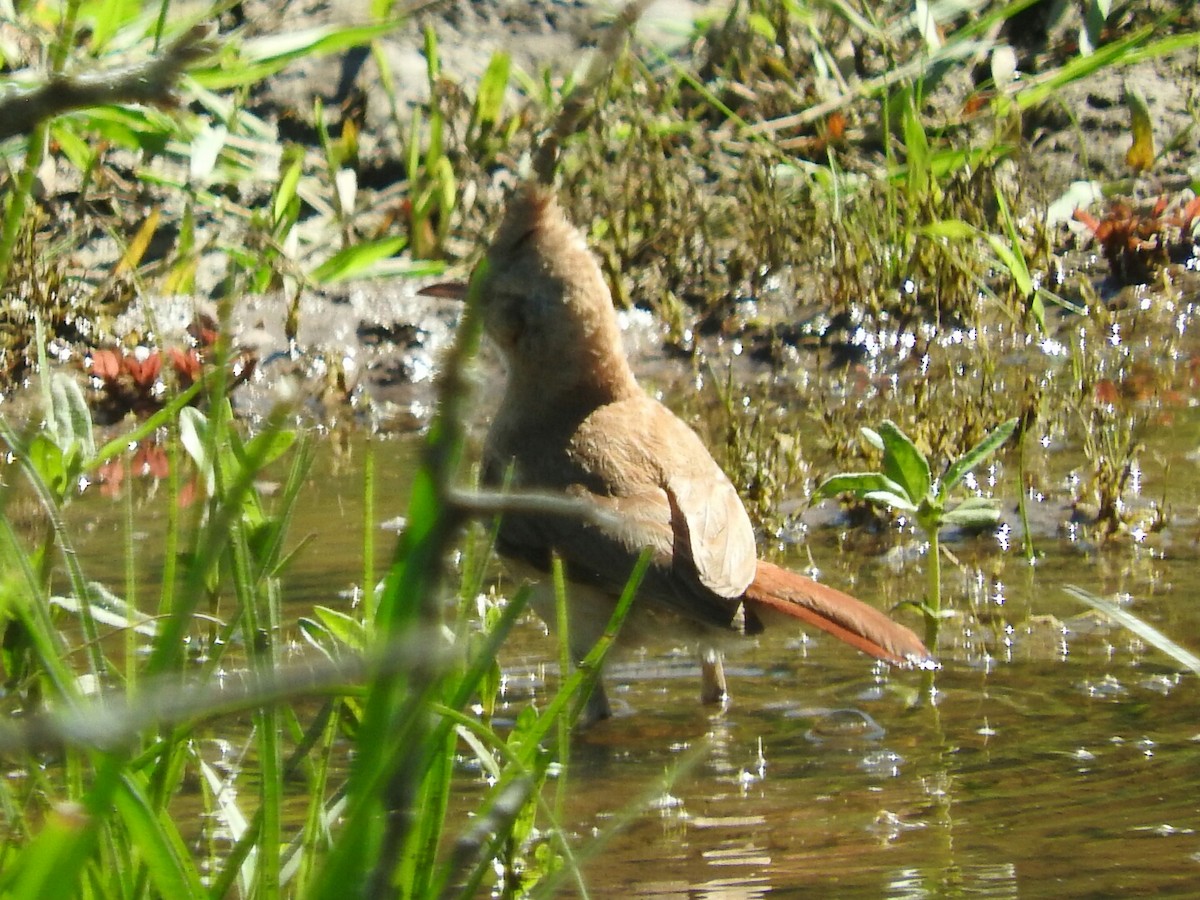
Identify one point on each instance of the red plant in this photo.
(186, 364)
(106, 364)
(1136, 242)
(136, 382)
(149, 461)
(129, 384)
(144, 372)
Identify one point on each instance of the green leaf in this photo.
(954, 229)
(73, 419)
(49, 462)
(433, 59)
(193, 435)
(266, 447)
(1095, 15)
(972, 516)
(445, 187)
(288, 183)
(977, 454)
(916, 146)
(345, 628)
(265, 56)
(892, 499)
(135, 128)
(80, 153)
(904, 463)
(489, 100)
(761, 26)
(872, 437)
(1037, 308)
(354, 261)
(1010, 254)
(159, 845)
(110, 18)
(857, 483)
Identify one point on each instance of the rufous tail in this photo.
(841, 615)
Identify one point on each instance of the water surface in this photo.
(1060, 755)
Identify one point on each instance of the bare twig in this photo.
(495, 503)
(146, 81)
(110, 722)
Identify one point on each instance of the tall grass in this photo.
(108, 747)
(104, 813)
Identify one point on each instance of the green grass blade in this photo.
(1142, 629)
(51, 866)
(356, 260)
(260, 57)
(158, 843)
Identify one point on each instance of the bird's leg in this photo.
(712, 675)
(583, 631)
(596, 708)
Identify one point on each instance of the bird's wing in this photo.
(604, 555)
(712, 533)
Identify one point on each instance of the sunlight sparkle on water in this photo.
(1003, 534)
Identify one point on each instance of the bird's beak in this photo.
(449, 290)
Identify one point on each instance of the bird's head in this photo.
(544, 300)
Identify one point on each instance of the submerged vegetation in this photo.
(794, 183)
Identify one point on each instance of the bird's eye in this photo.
(522, 239)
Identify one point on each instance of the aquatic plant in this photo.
(905, 485)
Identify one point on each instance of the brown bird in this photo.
(574, 420)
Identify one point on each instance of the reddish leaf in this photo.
(186, 364)
(106, 364)
(144, 373)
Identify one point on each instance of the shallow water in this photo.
(1066, 764)
(1061, 756)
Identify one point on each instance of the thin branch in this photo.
(111, 721)
(149, 81)
(494, 503)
